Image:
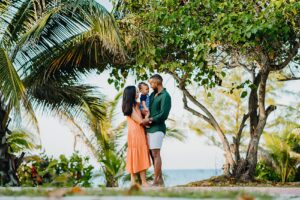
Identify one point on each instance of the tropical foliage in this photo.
(45, 48)
(21, 141)
(282, 153)
(61, 172)
(104, 140)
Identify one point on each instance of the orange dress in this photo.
(138, 152)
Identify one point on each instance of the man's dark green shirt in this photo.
(160, 107)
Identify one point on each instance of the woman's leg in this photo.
(133, 179)
(143, 178)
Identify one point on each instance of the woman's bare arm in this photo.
(136, 117)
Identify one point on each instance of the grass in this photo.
(134, 191)
(223, 181)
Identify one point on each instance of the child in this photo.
(144, 100)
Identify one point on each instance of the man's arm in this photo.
(165, 108)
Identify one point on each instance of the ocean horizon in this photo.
(174, 177)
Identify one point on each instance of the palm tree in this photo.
(45, 48)
(104, 143)
(283, 150)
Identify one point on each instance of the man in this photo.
(160, 106)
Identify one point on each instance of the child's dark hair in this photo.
(141, 84)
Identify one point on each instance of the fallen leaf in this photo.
(58, 193)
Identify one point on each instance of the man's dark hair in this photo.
(141, 84)
(157, 77)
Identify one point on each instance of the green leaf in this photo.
(244, 94)
(223, 73)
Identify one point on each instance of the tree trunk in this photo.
(238, 168)
(8, 162)
(245, 170)
(111, 181)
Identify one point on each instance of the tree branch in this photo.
(237, 139)
(242, 125)
(194, 112)
(289, 79)
(209, 117)
(270, 109)
(292, 53)
(262, 94)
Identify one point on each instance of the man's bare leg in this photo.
(158, 180)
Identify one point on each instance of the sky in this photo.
(57, 137)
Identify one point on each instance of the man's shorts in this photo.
(155, 139)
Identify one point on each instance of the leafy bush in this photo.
(47, 171)
(265, 171)
(283, 150)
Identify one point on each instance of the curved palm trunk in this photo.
(8, 162)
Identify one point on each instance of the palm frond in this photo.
(86, 39)
(17, 18)
(175, 134)
(77, 100)
(13, 91)
(12, 88)
(113, 104)
(79, 132)
(21, 140)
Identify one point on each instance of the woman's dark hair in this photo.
(128, 100)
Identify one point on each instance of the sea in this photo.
(174, 177)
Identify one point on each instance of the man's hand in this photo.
(150, 120)
(146, 122)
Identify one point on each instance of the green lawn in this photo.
(167, 192)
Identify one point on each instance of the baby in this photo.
(144, 100)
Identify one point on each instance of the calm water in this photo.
(177, 176)
(184, 176)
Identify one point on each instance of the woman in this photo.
(138, 152)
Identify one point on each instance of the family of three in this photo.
(146, 128)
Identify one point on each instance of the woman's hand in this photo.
(146, 122)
